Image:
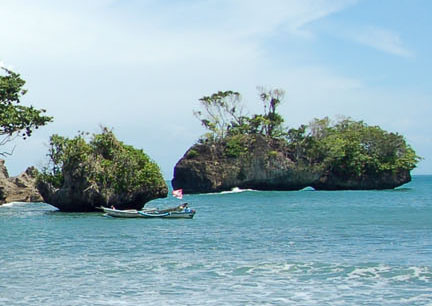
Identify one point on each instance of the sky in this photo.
(140, 67)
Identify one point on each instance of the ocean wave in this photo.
(232, 191)
(236, 190)
(300, 282)
(401, 274)
(12, 204)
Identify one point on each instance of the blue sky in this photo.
(141, 66)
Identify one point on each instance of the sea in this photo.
(243, 247)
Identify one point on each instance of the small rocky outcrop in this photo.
(77, 194)
(21, 188)
(100, 172)
(265, 164)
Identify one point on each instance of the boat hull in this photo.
(151, 213)
(169, 215)
(121, 213)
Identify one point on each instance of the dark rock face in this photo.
(265, 166)
(77, 194)
(21, 188)
(261, 168)
(385, 180)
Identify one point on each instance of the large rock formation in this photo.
(101, 172)
(21, 188)
(265, 165)
(78, 194)
(206, 168)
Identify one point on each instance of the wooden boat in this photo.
(185, 214)
(128, 213)
(181, 211)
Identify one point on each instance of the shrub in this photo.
(272, 154)
(191, 154)
(236, 146)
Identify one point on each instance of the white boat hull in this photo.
(149, 213)
(132, 213)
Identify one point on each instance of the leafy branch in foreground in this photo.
(16, 120)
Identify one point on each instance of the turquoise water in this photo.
(242, 248)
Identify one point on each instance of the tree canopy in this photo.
(17, 120)
(223, 114)
(350, 147)
(345, 147)
(221, 111)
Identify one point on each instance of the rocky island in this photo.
(80, 176)
(21, 188)
(258, 153)
(83, 176)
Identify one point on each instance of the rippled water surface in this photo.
(242, 248)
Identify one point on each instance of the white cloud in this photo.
(383, 40)
(252, 18)
(140, 66)
(170, 32)
(310, 11)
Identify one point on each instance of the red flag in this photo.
(178, 193)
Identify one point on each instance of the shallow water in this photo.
(242, 248)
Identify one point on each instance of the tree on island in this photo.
(271, 120)
(346, 147)
(258, 152)
(16, 120)
(223, 114)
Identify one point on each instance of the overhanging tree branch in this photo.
(16, 121)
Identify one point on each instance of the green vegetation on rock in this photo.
(236, 145)
(107, 162)
(103, 164)
(351, 148)
(346, 148)
(192, 153)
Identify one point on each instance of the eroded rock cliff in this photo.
(79, 194)
(266, 164)
(21, 188)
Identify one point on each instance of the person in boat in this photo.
(182, 206)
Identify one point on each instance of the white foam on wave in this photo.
(391, 274)
(232, 191)
(11, 204)
(309, 188)
(422, 273)
(369, 272)
(209, 281)
(423, 298)
(236, 190)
